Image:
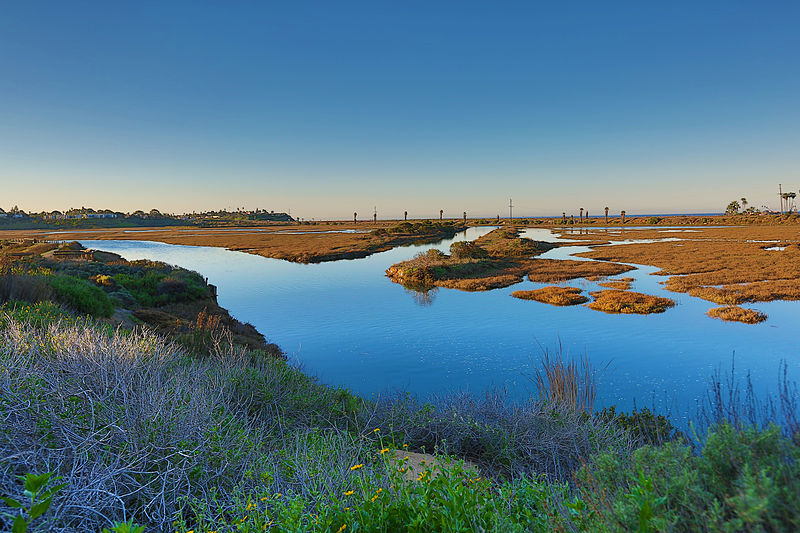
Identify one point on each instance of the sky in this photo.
(329, 108)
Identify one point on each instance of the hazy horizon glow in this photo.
(323, 109)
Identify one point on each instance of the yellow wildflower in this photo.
(383, 451)
(356, 467)
(376, 430)
(344, 526)
(349, 492)
(265, 498)
(250, 506)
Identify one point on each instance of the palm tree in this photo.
(441, 213)
(581, 215)
(465, 217)
(355, 218)
(405, 216)
(606, 215)
(744, 203)
(623, 215)
(563, 217)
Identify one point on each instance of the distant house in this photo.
(3, 213)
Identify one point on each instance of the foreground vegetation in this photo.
(142, 431)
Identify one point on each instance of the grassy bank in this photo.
(142, 430)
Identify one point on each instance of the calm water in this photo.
(350, 325)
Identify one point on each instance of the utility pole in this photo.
(780, 196)
(375, 215)
(510, 212)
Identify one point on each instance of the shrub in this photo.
(645, 426)
(81, 296)
(467, 250)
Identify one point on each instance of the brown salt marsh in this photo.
(733, 313)
(722, 265)
(301, 243)
(501, 259)
(553, 295)
(626, 302)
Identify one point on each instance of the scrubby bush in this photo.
(81, 296)
(644, 425)
(467, 250)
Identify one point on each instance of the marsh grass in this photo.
(626, 302)
(733, 313)
(553, 295)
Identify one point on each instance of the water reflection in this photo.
(424, 297)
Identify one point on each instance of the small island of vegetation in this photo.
(553, 295)
(498, 259)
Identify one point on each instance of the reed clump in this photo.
(553, 295)
(568, 383)
(734, 313)
(626, 302)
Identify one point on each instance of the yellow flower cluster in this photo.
(356, 467)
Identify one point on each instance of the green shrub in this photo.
(81, 296)
(644, 426)
(744, 480)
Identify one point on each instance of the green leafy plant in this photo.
(125, 527)
(40, 498)
(644, 496)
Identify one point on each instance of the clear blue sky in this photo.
(327, 108)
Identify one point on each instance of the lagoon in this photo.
(345, 322)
